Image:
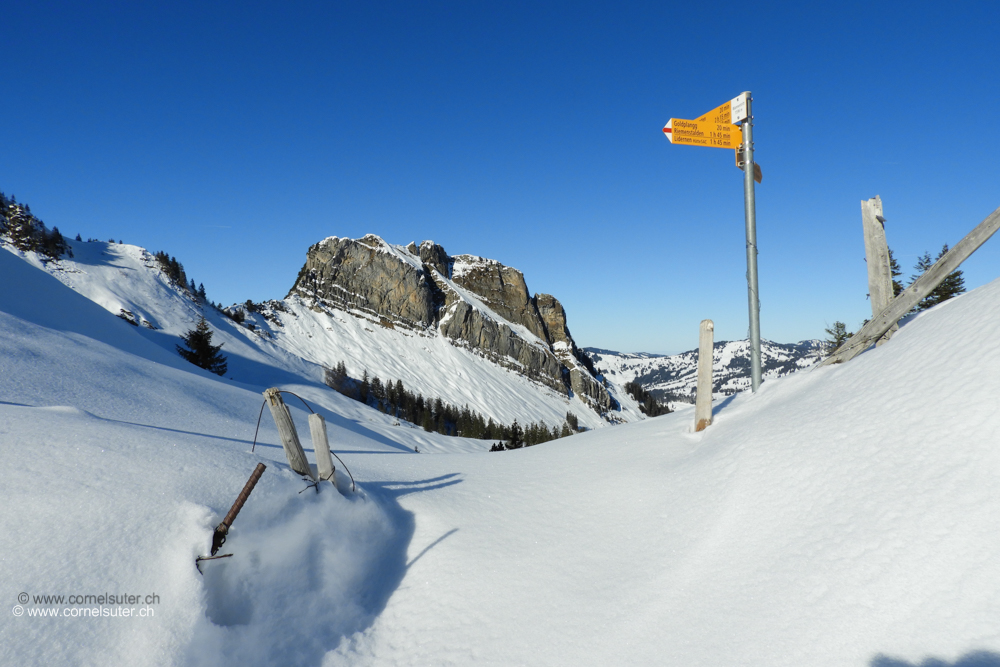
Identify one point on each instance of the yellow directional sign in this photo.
(720, 114)
(703, 133)
(732, 112)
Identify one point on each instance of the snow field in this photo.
(838, 516)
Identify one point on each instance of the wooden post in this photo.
(920, 288)
(877, 257)
(703, 399)
(324, 462)
(286, 430)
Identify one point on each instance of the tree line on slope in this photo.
(435, 415)
(647, 402)
(174, 271)
(27, 233)
(952, 285)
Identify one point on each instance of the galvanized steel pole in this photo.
(751, 218)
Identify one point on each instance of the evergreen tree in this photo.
(837, 335)
(365, 387)
(572, 421)
(200, 351)
(894, 268)
(515, 436)
(952, 285)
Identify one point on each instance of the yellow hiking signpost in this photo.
(698, 133)
(719, 129)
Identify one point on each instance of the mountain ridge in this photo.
(673, 377)
(304, 336)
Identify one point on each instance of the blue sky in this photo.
(234, 136)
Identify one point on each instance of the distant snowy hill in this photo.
(674, 377)
(520, 365)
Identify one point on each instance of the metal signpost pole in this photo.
(751, 217)
(718, 129)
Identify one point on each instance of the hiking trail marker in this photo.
(707, 133)
(730, 125)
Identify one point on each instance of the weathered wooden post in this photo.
(877, 257)
(321, 445)
(703, 399)
(917, 290)
(286, 430)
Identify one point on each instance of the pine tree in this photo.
(365, 387)
(515, 437)
(837, 335)
(200, 351)
(952, 285)
(894, 268)
(573, 422)
(333, 377)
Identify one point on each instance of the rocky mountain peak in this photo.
(423, 288)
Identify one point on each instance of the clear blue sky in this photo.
(235, 135)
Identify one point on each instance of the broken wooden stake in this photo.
(703, 399)
(286, 431)
(877, 258)
(321, 445)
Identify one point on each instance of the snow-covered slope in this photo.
(297, 340)
(840, 516)
(674, 377)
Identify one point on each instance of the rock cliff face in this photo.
(474, 302)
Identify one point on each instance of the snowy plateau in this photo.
(843, 515)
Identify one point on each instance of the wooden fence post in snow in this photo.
(321, 445)
(917, 290)
(286, 430)
(877, 257)
(703, 399)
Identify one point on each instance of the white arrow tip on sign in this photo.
(668, 130)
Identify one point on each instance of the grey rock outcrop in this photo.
(500, 287)
(365, 275)
(421, 288)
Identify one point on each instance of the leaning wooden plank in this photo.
(286, 430)
(920, 288)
